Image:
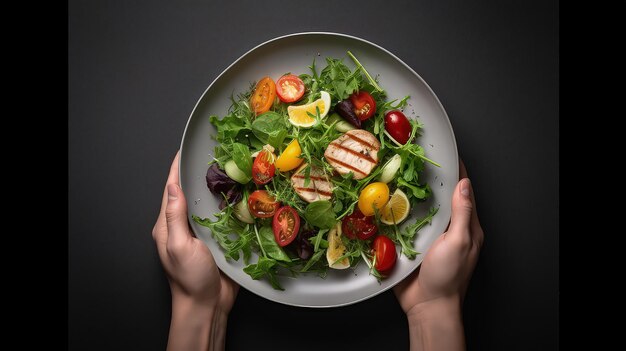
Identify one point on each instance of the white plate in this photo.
(294, 53)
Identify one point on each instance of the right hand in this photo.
(447, 268)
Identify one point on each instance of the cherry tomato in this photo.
(263, 96)
(373, 196)
(364, 105)
(385, 251)
(358, 225)
(261, 204)
(289, 88)
(398, 126)
(263, 168)
(286, 224)
(290, 158)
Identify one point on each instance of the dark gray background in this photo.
(136, 69)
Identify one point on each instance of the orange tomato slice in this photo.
(263, 96)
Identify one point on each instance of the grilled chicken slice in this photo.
(356, 151)
(318, 188)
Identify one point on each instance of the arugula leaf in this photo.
(409, 171)
(418, 191)
(360, 66)
(339, 80)
(243, 158)
(271, 248)
(318, 240)
(265, 267)
(407, 237)
(270, 128)
(280, 188)
(320, 214)
(406, 243)
(313, 260)
(411, 230)
(223, 227)
(338, 207)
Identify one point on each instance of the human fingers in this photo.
(462, 208)
(159, 232)
(171, 178)
(462, 174)
(176, 217)
(477, 232)
(462, 170)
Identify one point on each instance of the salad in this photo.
(315, 172)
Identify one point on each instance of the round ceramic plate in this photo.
(294, 53)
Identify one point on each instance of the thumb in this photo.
(176, 211)
(462, 208)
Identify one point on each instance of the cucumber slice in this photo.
(235, 173)
(390, 169)
(242, 212)
(342, 125)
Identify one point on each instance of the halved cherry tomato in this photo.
(398, 126)
(263, 168)
(263, 96)
(286, 224)
(261, 204)
(289, 88)
(364, 105)
(385, 252)
(357, 225)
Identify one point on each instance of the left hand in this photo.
(188, 263)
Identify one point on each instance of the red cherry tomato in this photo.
(357, 225)
(398, 126)
(261, 204)
(385, 252)
(364, 105)
(263, 168)
(286, 224)
(289, 88)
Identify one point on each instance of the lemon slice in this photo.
(336, 249)
(299, 115)
(397, 208)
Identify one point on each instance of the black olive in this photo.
(303, 245)
(345, 109)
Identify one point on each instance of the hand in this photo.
(202, 296)
(432, 295)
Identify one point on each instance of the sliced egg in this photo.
(336, 249)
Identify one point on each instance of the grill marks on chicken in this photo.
(318, 188)
(356, 151)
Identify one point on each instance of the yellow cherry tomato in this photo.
(373, 196)
(289, 159)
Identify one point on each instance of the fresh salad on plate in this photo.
(317, 171)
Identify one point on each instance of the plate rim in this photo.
(420, 258)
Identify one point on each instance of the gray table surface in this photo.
(136, 70)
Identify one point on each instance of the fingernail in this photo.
(172, 192)
(465, 187)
